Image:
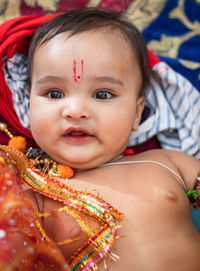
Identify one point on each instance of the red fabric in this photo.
(153, 59)
(150, 144)
(128, 151)
(15, 36)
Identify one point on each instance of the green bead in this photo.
(194, 193)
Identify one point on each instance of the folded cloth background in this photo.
(171, 27)
(173, 109)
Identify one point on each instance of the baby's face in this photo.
(84, 98)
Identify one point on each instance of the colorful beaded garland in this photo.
(47, 165)
(193, 194)
(76, 203)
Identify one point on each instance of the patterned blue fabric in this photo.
(175, 36)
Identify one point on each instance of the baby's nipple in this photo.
(172, 196)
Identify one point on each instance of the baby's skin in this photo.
(157, 232)
(86, 99)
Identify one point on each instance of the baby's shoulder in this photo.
(165, 164)
(150, 169)
(156, 162)
(186, 166)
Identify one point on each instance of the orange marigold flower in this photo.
(18, 142)
(65, 171)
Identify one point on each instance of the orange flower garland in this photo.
(19, 143)
(65, 171)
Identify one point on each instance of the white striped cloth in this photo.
(174, 107)
(175, 113)
(15, 71)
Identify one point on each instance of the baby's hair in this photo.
(92, 19)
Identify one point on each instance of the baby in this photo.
(88, 73)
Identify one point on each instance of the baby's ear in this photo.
(139, 109)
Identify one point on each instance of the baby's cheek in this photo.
(38, 122)
(38, 132)
(122, 129)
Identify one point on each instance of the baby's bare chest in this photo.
(131, 189)
(149, 206)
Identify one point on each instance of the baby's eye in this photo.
(55, 94)
(103, 95)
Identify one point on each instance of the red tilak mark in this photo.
(78, 78)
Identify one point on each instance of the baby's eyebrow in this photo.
(109, 79)
(53, 78)
(48, 78)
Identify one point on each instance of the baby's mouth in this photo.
(77, 135)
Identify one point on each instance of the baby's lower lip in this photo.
(78, 138)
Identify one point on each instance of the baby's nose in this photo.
(76, 109)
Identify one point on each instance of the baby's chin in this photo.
(81, 164)
(85, 160)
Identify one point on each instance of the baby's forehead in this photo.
(99, 53)
(111, 46)
(114, 37)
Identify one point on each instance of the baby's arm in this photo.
(188, 166)
(189, 169)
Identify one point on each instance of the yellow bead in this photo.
(3, 126)
(46, 160)
(54, 166)
(2, 159)
(9, 134)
